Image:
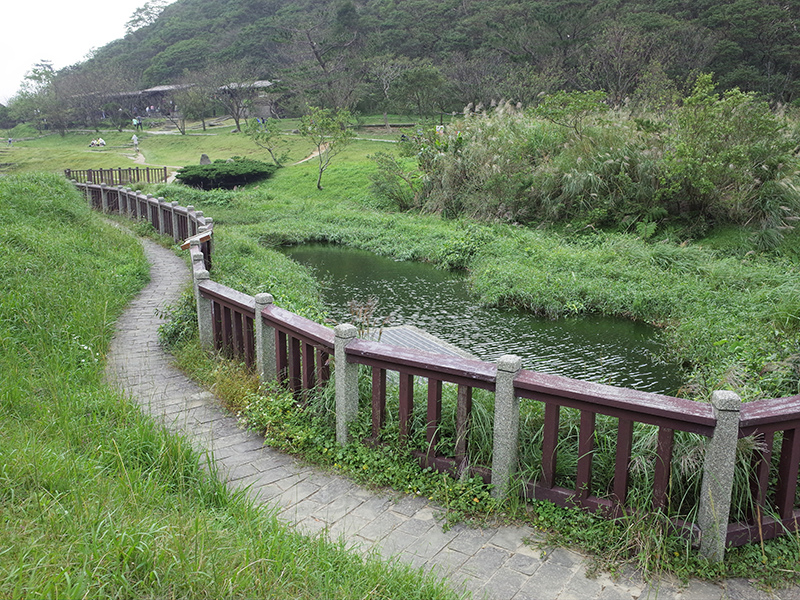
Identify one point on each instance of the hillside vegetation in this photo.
(430, 57)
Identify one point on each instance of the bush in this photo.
(225, 174)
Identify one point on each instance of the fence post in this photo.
(205, 318)
(345, 381)
(104, 197)
(191, 226)
(506, 425)
(161, 228)
(265, 341)
(718, 467)
(175, 232)
(149, 204)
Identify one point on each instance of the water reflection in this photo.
(605, 350)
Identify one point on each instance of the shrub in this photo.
(225, 174)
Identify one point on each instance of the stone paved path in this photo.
(493, 563)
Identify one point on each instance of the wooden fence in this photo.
(167, 218)
(296, 351)
(119, 176)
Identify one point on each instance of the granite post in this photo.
(718, 468)
(506, 425)
(345, 381)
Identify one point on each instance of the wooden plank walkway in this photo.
(409, 336)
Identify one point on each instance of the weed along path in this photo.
(494, 563)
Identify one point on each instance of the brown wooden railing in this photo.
(178, 222)
(302, 356)
(296, 351)
(119, 176)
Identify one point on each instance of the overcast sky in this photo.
(62, 32)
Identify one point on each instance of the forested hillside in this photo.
(439, 55)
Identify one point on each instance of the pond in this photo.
(600, 349)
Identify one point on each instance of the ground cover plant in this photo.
(723, 304)
(96, 500)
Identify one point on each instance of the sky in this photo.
(62, 32)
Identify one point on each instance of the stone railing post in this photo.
(161, 227)
(506, 425)
(104, 197)
(205, 318)
(191, 226)
(172, 206)
(718, 467)
(266, 354)
(345, 381)
(149, 203)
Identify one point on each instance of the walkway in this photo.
(494, 563)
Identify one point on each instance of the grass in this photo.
(727, 313)
(96, 500)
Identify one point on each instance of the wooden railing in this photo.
(300, 359)
(119, 176)
(167, 218)
(296, 351)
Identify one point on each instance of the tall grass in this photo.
(95, 499)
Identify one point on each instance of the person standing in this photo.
(135, 141)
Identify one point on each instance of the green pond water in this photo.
(605, 350)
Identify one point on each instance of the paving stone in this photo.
(297, 493)
(563, 557)
(416, 527)
(430, 543)
(469, 541)
(409, 505)
(346, 527)
(447, 561)
(372, 508)
(788, 594)
(522, 563)
(510, 538)
(299, 510)
(333, 490)
(505, 583)
(394, 543)
(381, 527)
(491, 563)
(549, 581)
(486, 562)
(741, 589)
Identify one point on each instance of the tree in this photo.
(267, 134)
(329, 131)
(145, 15)
(321, 47)
(386, 70)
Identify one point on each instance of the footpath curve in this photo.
(494, 563)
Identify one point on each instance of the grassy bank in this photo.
(726, 313)
(95, 499)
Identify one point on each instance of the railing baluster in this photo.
(308, 368)
(378, 402)
(281, 355)
(434, 418)
(406, 405)
(552, 416)
(463, 422)
(622, 460)
(787, 473)
(295, 374)
(666, 438)
(585, 454)
(760, 467)
(249, 341)
(323, 366)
